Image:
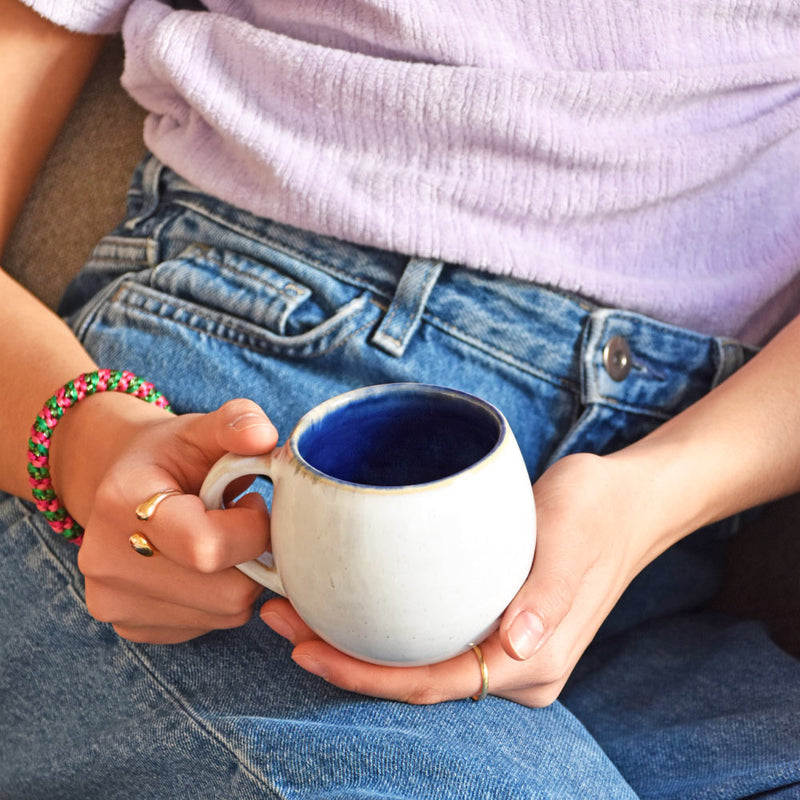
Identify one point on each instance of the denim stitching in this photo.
(182, 705)
(255, 343)
(342, 275)
(75, 587)
(413, 309)
(591, 368)
(332, 270)
(393, 312)
(501, 355)
(208, 256)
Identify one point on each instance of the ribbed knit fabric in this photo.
(645, 154)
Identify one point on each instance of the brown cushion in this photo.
(80, 193)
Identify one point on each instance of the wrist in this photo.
(88, 446)
(672, 491)
(87, 440)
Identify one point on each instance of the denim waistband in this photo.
(612, 356)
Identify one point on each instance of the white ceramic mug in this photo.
(403, 521)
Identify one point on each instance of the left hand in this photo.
(594, 535)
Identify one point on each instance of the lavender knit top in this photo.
(643, 153)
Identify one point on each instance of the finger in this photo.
(238, 426)
(455, 679)
(529, 684)
(209, 541)
(544, 600)
(125, 608)
(542, 603)
(279, 614)
(157, 635)
(116, 565)
(229, 593)
(409, 684)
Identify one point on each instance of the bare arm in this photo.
(42, 69)
(736, 448)
(111, 450)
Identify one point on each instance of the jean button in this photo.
(617, 358)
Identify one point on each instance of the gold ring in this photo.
(146, 509)
(484, 674)
(142, 545)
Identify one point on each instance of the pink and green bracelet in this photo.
(102, 380)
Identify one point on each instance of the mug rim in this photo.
(337, 401)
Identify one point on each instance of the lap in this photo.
(694, 705)
(688, 706)
(86, 714)
(665, 697)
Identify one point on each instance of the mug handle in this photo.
(227, 469)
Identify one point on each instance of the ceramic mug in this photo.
(403, 521)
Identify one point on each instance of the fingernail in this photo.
(525, 634)
(278, 624)
(251, 420)
(310, 664)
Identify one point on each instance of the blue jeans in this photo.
(210, 303)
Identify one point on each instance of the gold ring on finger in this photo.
(484, 674)
(142, 545)
(146, 509)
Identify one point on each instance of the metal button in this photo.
(617, 358)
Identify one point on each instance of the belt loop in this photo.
(404, 312)
(150, 184)
(729, 356)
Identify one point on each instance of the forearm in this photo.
(41, 354)
(42, 69)
(736, 448)
(38, 353)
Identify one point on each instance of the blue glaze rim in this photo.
(338, 401)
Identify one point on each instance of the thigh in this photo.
(89, 715)
(693, 706)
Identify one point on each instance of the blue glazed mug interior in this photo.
(398, 435)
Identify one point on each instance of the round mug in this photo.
(402, 521)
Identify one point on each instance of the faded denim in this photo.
(210, 303)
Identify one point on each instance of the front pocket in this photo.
(231, 297)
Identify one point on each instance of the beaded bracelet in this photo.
(102, 380)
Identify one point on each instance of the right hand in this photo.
(190, 586)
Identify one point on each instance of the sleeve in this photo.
(83, 16)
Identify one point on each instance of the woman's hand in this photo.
(190, 586)
(601, 520)
(592, 540)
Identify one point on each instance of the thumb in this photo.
(539, 607)
(238, 426)
(242, 427)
